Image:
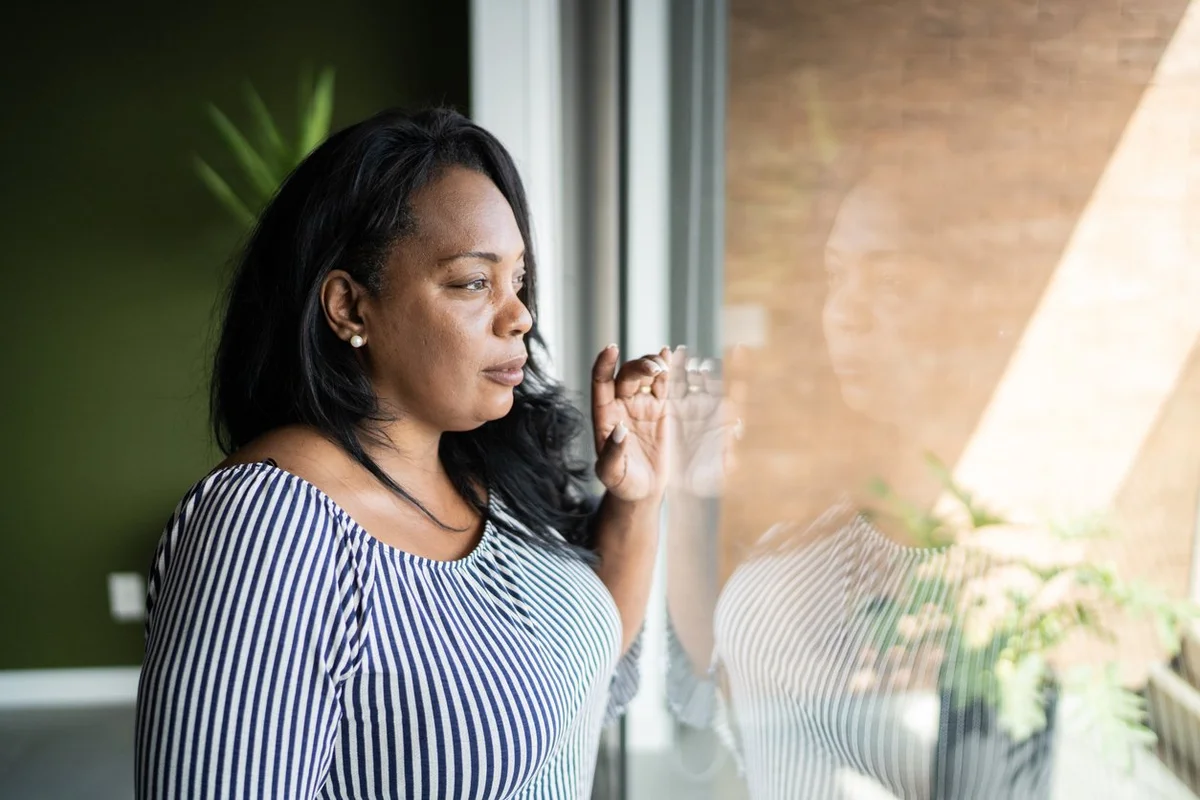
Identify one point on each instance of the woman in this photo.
(395, 586)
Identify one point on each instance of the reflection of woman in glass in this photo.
(875, 317)
(925, 261)
(820, 684)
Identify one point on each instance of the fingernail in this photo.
(618, 434)
(612, 346)
(707, 365)
(693, 364)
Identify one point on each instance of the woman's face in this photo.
(881, 317)
(445, 335)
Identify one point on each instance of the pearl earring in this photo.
(357, 341)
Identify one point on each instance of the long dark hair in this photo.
(278, 363)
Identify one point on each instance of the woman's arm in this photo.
(707, 425)
(630, 425)
(627, 542)
(691, 578)
(254, 621)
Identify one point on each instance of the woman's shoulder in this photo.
(253, 498)
(837, 519)
(250, 535)
(254, 511)
(269, 485)
(297, 458)
(297, 449)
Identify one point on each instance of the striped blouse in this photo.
(291, 655)
(820, 700)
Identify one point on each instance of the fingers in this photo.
(677, 373)
(660, 384)
(697, 375)
(611, 464)
(603, 383)
(646, 374)
(663, 379)
(692, 376)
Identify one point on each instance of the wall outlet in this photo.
(127, 596)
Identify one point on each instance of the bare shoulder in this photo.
(303, 451)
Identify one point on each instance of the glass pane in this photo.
(932, 527)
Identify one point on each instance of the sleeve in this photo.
(625, 681)
(697, 700)
(691, 697)
(627, 677)
(255, 618)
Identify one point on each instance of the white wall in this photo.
(516, 95)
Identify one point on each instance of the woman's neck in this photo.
(406, 451)
(904, 472)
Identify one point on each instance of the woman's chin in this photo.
(855, 393)
(860, 399)
(487, 410)
(498, 405)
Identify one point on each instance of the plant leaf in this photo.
(278, 153)
(318, 113)
(1022, 711)
(1113, 713)
(980, 516)
(1089, 527)
(220, 189)
(252, 163)
(879, 487)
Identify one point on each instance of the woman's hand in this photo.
(706, 423)
(629, 418)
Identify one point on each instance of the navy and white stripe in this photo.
(812, 715)
(291, 655)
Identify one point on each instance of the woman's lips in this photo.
(847, 364)
(507, 373)
(505, 377)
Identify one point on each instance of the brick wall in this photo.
(935, 202)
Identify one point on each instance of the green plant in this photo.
(1004, 608)
(266, 162)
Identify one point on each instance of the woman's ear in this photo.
(342, 299)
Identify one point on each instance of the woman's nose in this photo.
(514, 318)
(846, 309)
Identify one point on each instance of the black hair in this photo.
(278, 362)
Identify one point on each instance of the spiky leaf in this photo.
(275, 150)
(318, 114)
(220, 189)
(1022, 711)
(252, 163)
(1115, 715)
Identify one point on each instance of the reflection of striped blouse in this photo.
(290, 655)
(822, 698)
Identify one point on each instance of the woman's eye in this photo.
(477, 285)
(519, 280)
(891, 282)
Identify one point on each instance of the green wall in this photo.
(113, 258)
